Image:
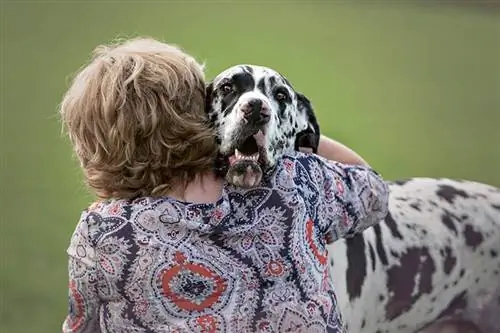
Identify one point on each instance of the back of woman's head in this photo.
(135, 116)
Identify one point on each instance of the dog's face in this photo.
(258, 116)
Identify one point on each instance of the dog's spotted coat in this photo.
(435, 256)
(432, 264)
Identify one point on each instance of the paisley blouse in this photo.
(254, 261)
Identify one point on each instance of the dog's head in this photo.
(258, 116)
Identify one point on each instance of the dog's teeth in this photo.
(237, 153)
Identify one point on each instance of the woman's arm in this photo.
(83, 297)
(349, 190)
(336, 151)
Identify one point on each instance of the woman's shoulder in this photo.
(295, 170)
(115, 206)
(102, 213)
(293, 162)
(108, 207)
(300, 158)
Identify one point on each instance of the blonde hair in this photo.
(136, 118)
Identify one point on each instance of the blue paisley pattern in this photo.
(254, 261)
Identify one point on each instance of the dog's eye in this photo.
(227, 88)
(281, 96)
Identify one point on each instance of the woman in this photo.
(171, 248)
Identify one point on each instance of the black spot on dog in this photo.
(379, 246)
(402, 278)
(243, 82)
(209, 92)
(372, 256)
(356, 269)
(262, 85)
(415, 206)
(472, 237)
(495, 206)
(363, 323)
(410, 226)
(459, 302)
(449, 260)
(448, 222)
(401, 181)
(272, 81)
(462, 273)
(449, 193)
(455, 325)
(493, 253)
(381, 297)
(391, 224)
(248, 69)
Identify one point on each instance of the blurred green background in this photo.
(415, 89)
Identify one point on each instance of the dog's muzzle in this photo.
(256, 112)
(245, 165)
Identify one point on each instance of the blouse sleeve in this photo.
(83, 298)
(347, 199)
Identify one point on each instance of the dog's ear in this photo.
(220, 165)
(209, 89)
(307, 140)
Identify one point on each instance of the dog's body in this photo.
(435, 257)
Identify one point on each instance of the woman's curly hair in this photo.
(135, 116)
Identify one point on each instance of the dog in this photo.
(257, 116)
(431, 266)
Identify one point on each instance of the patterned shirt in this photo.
(254, 261)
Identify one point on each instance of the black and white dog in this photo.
(433, 265)
(257, 115)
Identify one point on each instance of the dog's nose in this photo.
(256, 110)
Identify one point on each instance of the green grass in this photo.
(414, 90)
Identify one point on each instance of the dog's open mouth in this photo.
(246, 162)
(248, 151)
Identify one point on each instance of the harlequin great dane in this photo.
(432, 265)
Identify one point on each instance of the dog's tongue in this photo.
(259, 138)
